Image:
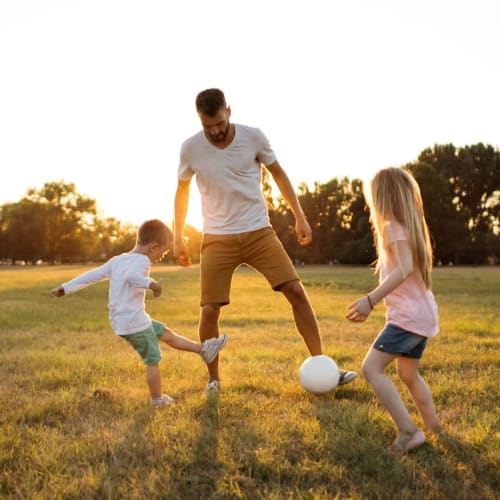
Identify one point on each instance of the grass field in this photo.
(75, 421)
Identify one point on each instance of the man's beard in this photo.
(221, 135)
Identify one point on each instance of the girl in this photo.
(404, 266)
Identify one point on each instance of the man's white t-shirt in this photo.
(229, 179)
(129, 279)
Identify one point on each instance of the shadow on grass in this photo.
(203, 470)
(444, 467)
(461, 463)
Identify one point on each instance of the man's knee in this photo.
(294, 291)
(210, 312)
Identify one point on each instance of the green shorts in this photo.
(222, 254)
(146, 342)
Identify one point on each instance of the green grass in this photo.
(75, 421)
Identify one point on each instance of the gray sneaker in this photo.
(211, 347)
(346, 377)
(213, 387)
(162, 402)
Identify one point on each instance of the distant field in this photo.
(75, 421)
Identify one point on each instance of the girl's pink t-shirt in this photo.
(411, 305)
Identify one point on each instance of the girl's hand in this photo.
(359, 310)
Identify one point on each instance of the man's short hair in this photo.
(210, 101)
(154, 231)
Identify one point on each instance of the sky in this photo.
(101, 93)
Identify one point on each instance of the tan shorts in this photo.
(222, 254)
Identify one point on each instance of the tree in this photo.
(356, 244)
(447, 225)
(111, 238)
(339, 218)
(472, 176)
(22, 232)
(69, 219)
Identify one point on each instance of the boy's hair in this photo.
(154, 231)
(210, 101)
(394, 195)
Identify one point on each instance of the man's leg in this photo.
(208, 328)
(307, 324)
(304, 316)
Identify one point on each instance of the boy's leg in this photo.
(153, 378)
(373, 368)
(421, 394)
(208, 349)
(179, 342)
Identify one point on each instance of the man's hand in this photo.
(181, 252)
(304, 232)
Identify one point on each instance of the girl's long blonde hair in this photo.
(394, 195)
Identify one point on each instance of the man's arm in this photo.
(181, 252)
(302, 227)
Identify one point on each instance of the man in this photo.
(227, 160)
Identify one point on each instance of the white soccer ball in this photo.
(319, 374)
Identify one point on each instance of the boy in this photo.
(128, 276)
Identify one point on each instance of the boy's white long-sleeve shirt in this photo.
(128, 276)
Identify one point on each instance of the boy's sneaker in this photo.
(346, 376)
(162, 402)
(213, 387)
(211, 347)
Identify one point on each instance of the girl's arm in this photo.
(360, 309)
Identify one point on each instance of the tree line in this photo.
(460, 188)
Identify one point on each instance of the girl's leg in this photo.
(420, 392)
(179, 342)
(373, 368)
(153, 378)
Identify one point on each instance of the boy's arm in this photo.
(360, 309)
(82, 281)
(57, 292)
(156, 287)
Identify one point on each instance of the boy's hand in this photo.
(57, 292)
(156, 287)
